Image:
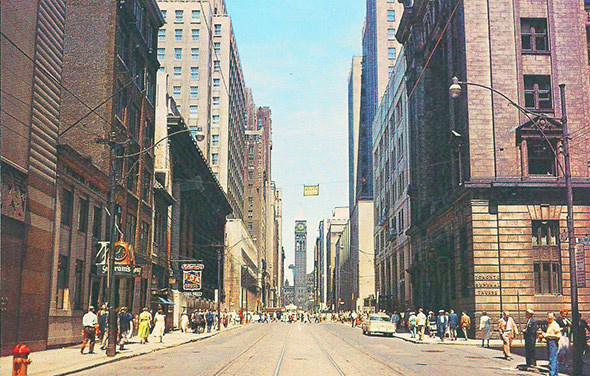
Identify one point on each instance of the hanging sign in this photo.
(581, 248)
(311, 190)
(192, 277)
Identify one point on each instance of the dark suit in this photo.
(530, 338)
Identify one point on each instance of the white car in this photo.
(378, 323)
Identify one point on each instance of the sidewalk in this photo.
(65, 361)
(460, 341)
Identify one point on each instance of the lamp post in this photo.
(455, 91)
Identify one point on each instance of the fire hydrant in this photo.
(20, 360)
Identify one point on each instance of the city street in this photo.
(313, 349)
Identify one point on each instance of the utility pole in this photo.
(571, 239)
(113, 146)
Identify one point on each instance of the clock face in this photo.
(300, 227)
(120, 253)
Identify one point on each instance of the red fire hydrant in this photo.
(20, 360)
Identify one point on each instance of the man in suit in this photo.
(530, 338)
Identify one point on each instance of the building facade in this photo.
(391, 200)
(300, 269)
(487, 224)
(335, 226)
(198, 48)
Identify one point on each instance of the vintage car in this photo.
(378, 323)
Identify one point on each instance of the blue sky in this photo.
(296, 57)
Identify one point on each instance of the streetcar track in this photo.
(234, 360)
(405, 372)
(282, 356)
(327, 355)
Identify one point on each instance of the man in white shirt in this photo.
(508, 330)
(89, 323)
(353, 316)
(421, 323)
(485, 325)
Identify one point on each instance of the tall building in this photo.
(488, 196)
(322, 264)
(391, 165)
(197, 47)
(335, 226)
(354, 108)
(300, 272)
(276, 245)
(31, 103)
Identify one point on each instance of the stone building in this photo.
(335, 226)
(392, 203)
(488, 215)
(300, 268)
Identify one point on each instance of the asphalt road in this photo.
(312, 349)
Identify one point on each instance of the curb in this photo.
(124, 357)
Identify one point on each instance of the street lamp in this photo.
(455, 91)
(199, 135)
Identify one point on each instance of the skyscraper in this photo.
(300, 264)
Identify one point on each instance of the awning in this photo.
(165, 301)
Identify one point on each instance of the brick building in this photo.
(32, 61)
(488, 196)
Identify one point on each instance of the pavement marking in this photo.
(282, 356)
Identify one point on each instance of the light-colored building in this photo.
(345, 285)
(354, 123)
(363, 253)
(197, 47)
(240, 268)
(322, 264)
(300, 268)
(335, 226)
(391, 200)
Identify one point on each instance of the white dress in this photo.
(160, 325)
(184, 322)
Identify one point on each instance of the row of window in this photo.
(195, 35)
(195, 17)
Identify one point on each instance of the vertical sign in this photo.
(192, 277)
(581, 248)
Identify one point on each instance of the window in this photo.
(196, 16)
(79, 284)
(215, 119)
(541, 159)
(83, 216)
(63, 265)
(214, 159)
(250, 201)
(533, 33)
(67, 207)
(177, 72)
(144, 235)
(391, 53)
(97, 222)
(130, 226)
(194, 92)
(176, 91)
(132, 174)
(216, 101)
(391, 15)
(217, 48)
(178, 35)
(195, 35)
(132, 121)
(389, 71)
(193, 110)
(179, 16)
(161, 35)
(391, 34)
(138, 14)
(216, 66)
(161, 53)
(149, 37)
(215, 140)
(163, 12)
(250, 151)
(537, 93)
(546, 257)
(123, 47)
(194, 53)
(216, 82)
(178, 53)
(217, 30)
(194, 73)
(146, 186)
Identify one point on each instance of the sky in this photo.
(296, 57)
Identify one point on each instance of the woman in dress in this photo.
(159, 324)
(145, 322)
(184, 322)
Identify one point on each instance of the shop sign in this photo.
(581, 248)
(192, 277)
(121, 270)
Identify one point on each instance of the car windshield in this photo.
(379, 318)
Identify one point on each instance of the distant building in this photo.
(288, 294)
(301, 263)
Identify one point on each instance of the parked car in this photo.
(378, 323)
